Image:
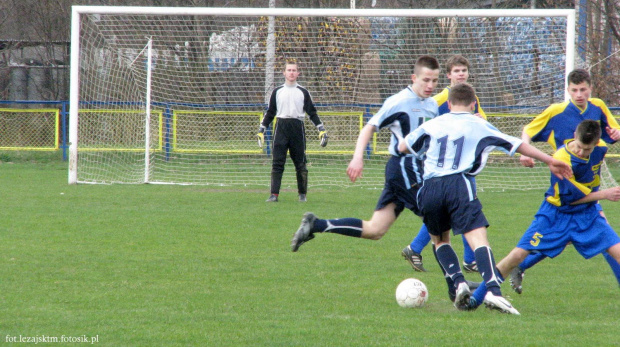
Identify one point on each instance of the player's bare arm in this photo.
(611, 194)
(613, 133)
(524, 159)
(559, 168)
(356, 166)
(402, 147)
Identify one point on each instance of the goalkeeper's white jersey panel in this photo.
(290, 101)
(402, 113)
(457, 143)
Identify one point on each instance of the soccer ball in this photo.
(411, 293)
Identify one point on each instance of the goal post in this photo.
(189, 85)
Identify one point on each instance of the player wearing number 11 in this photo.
(454, 148)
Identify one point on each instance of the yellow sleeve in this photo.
(442, 97)
(611, 120)
(480, 110)
(556, 200)
(540, 121)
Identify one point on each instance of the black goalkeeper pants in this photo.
(289, 136)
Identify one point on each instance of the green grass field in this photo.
(153, 265)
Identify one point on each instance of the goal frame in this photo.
(77, 11)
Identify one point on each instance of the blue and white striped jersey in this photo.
(457, 143)
(402, 113)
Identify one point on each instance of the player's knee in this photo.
(614, 251)
(518, 255)
(277, 167)
(374, 232)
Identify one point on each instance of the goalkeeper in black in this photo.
(289, 103)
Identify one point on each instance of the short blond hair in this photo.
(290, 62)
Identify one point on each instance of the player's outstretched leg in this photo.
(491, 301)
(516, 279)
(615, 266)
(310, 225)
(473, 285)
(517, 274)
(304, 233)
(477, 297)
(414, 259)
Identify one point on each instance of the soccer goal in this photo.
(175, 95)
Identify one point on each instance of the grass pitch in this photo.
(151, 265)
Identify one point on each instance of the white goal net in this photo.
(175, 95)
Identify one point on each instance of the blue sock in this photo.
(421, 240)
(486, 266)
(468, 253)
(345, 226)
(449, 261)
(478, 296)
(531, 260)
(615, 267)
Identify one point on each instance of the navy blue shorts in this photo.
(400, 185)
(450, 202)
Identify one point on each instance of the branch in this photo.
(612, 19)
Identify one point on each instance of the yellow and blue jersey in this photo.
(557, 124)
(442, 102)
(586, 179)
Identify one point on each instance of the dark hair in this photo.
(456, 60)
(427, 62)
(462, 94)
(578, 76)
(588, 131)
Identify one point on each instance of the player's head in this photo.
(587, 136)
(457, 69)
(291, 71)
(588, 131)
(462, 94)
(579, 76)
(425, 76)
(579, 87)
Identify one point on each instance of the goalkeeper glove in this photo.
(323, 136)
(261, 136)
